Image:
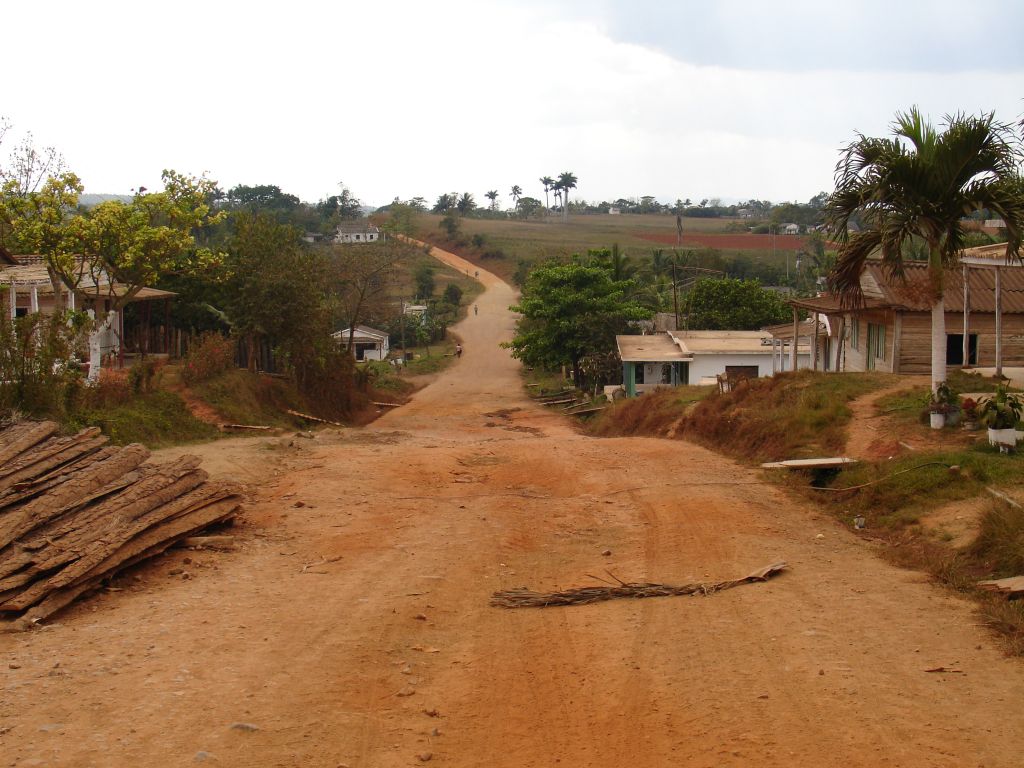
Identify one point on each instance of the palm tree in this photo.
(517, 192)
(917, 187)
(466, 204)
(548, 183)
(567, 181)
(492, 195)
(557, 189)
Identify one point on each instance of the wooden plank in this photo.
(1011, 587)
(307, 417)
(24, 437)
(386, 405)
(809, 463)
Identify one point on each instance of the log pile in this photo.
(527, 598)
(74, 511)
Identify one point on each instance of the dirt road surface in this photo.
(354, 630)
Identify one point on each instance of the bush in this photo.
(212, 355)
(34, 370)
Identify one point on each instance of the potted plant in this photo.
(943, 406)
(1000, 413)
(969, 409)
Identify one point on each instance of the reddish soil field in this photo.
(737, 242)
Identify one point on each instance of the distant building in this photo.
(359, 231)
(791, 229)
(367, 343)
(614, 211)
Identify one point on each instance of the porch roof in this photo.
(723, 342)
(655, 348)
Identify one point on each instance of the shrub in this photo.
(34, 369)
(213, 354)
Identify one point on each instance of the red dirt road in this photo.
(355, 630)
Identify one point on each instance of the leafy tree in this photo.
(123, 247)
(492, 195)
(343, 207)
(450, 224)
(264, 197)
(729, 304)
(424, 279)
(570, 311)
(466, 204)
(516, 193)
(445, 202)
(359, 279)
(548, 183)
(919, 185)
(453, 294)
(273, 287)
(36, 221)
(528, 206)
(619, 265)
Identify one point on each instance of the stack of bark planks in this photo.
(75, 510)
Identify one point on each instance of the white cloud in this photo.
(407, 98)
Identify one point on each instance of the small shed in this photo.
(653, 361)
(367, 343)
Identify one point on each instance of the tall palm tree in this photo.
(548, 183)
(466, 204)
(567, 181)
(557, 189)
(517, 192)
(492, 195)
(918, 186)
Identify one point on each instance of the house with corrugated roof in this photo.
(890, 330)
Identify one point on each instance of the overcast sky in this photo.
(672, 99)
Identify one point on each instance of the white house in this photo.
(673, 358)
(367, 343)
(791, 229)
(359, 231)
(614, 211)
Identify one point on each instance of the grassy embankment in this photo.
(806, 414)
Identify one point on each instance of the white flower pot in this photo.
(938, 420)
(1002, 437)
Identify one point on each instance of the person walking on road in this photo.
(458, 350)
(476, 310)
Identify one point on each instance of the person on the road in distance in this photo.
(458, 350)
(476, 310)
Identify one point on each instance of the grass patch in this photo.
(156, 420)
(653, 414)
(247, 398)
(899, 492)
(786, 416)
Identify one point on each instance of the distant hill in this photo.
(89, 199)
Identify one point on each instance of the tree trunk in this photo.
(251, 353)
(938, 343)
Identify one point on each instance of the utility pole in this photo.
(675, 292)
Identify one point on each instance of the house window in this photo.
(855, 333)
(955, 349)
(358, 236)
(639, 375)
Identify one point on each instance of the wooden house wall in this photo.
(857, 359)
(916, 341)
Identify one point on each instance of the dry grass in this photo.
(654, 414)
(787, 416)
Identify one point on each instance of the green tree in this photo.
(528, 206)
(733, 305)
(467, 204)
(453, 294)
(548, 183)
(36, 221)
(516, 193)
(423, 277)
(570, 311)
(492, 195)
(918, 186)
(360, 278)
(273, 287)
(566, 181)
(445, 202)
(122, 247)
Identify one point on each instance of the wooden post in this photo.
(33, 302)
(841, 342)
(967, 318)
(814, 341)
(897, 341)
(999, 323)
(796, 336)
(13, 294)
